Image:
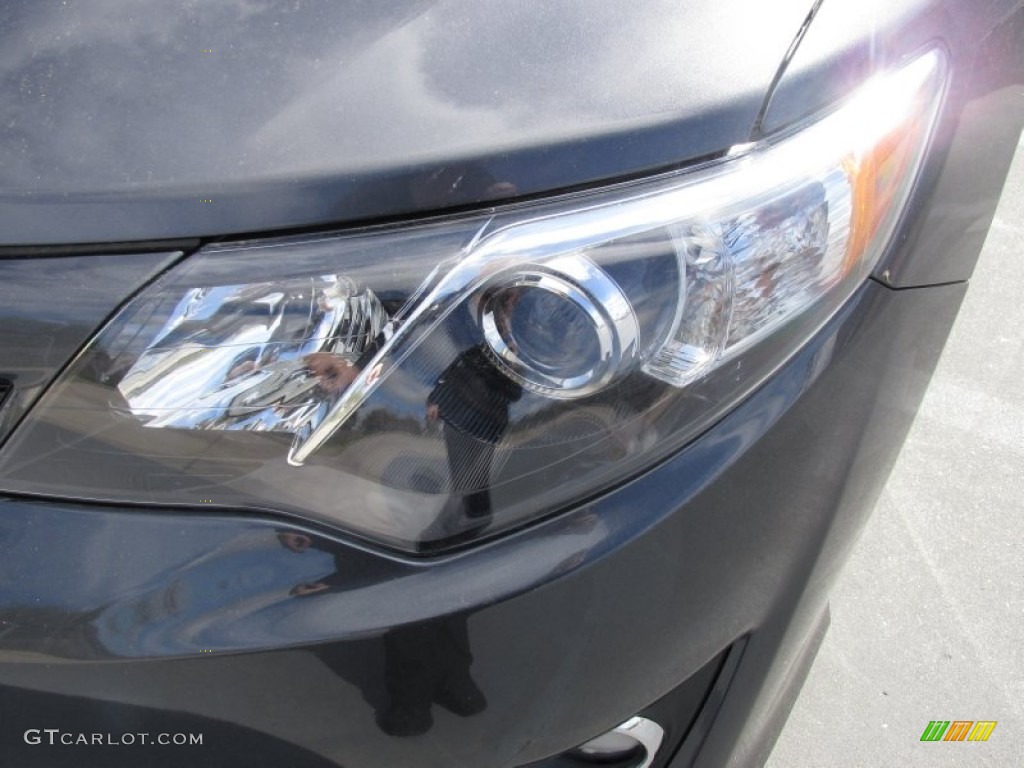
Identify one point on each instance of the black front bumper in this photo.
(710, 572)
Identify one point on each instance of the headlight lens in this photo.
(422, 385)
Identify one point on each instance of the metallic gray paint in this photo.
(119, 123)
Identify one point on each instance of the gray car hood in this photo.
(156, 119)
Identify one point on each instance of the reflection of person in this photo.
(424, 664)
(333, 373)
(472, 399)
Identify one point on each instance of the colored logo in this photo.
(958, 730)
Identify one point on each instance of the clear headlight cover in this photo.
(426, 384)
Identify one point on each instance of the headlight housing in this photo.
(426, 384)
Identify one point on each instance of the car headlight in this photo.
(425, 384)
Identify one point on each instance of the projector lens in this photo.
(563, 329)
